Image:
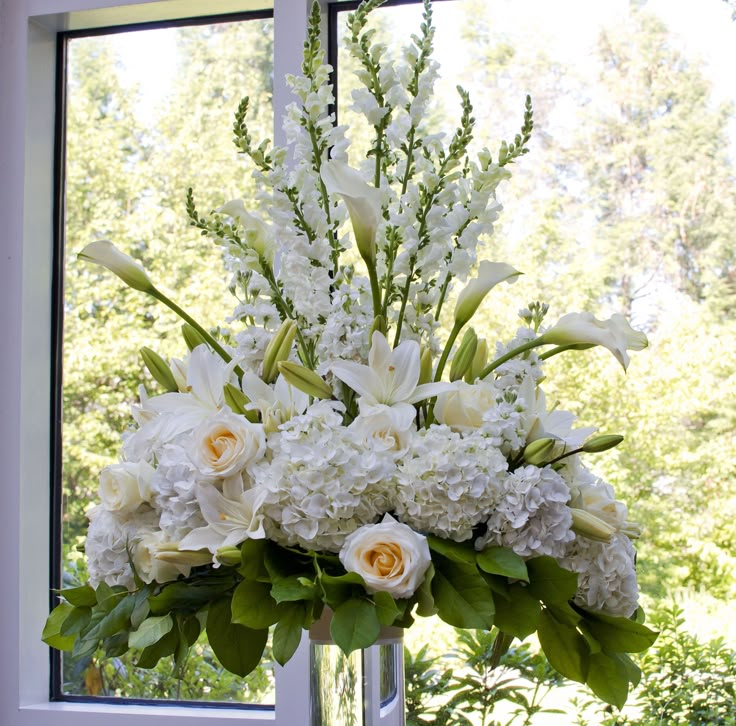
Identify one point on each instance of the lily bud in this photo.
(480, 360)
(379, 325)
(278, 349)
(158, 368)
(228, 556)
(238, 401)
(126, 268)
(490, 274)
(174, 556)
(596, 444)
(538, 452)
(588, 525)
(192, 337)
(425, 366)
(305, 380)
(463, 358)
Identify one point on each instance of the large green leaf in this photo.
(502, 561)
(238, 648)
(461, 595)
(189, 595)
(150, 631)
(83, 596)
(386, 608)
(115, 621)
(619, 634)
(464, 553)
(52, 630)
(252, 554)
(549, 582)
(519, 615)
(163, 648)
(77, 622)
(293, 588)
(608, 679)
(565, 648)
(253, 606)
(355, 625)
(423, 595)
(341, 588)
(288, 631)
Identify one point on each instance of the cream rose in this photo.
(120, 487)
(391, 557)
(385, 428)
(226, 443)
(462, 409)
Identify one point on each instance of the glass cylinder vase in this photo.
(365, 688)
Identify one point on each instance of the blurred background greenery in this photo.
(626, 203)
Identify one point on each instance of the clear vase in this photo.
(365, 688)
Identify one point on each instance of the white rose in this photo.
(385, 428)
(120, 489)
(390, 556)
(462, 409)
(226, 443)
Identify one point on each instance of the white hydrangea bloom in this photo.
(323, 484)
(532, 516)
(448, 483)
(606, 574)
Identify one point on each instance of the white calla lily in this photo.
(125, 267)
(584, 328)
(363, 202)
(391, 376)
(490, 274)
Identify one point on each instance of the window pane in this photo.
(148, 115)
(625, 203)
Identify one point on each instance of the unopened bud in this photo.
(192, 337)
(602, 443)
(463, 358)
(186, 558)
(158, 368)
(480, 360)
(278, 349)
(228, 556)
(238, 401)
(588, 525)
(425, 366)
(304, 379)
(539, 452)
(379, 325)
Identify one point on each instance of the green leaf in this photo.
(52, 630)
(386, 608)
(288, 632)
(108, 597)
(355, 625)
(117, 620)
(115, 645)
(519, 615)
(565, 648)
(461, 595)
(293, 588)
(77, 621)
(238, 648)
(150, 631)
(503, 561)
(607, 678)
(633, 672)
(423, 595)
(549, 582)
(463, 553)
(190, 629)
(253, 606)
(83, 596)
(163, 648)
(252, 555)
(340, 588)
(188, 595)
(619, 634)
(141, 609)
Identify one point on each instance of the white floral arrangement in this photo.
(340, 448)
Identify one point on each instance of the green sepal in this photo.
(503, 561)
(238, 401)
(239, 649)
(355, 625)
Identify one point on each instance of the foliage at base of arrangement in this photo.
(267, 584)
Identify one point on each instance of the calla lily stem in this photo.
(511, 354)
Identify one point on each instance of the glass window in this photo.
(147, 115)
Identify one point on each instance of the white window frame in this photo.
(27, 87)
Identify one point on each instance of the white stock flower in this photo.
(584, 329)
(391, 376)
(256, 233)
(226, 443)
(390, 557)
(532, 516)
(120, 489)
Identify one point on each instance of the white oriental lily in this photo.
(583, 328)
(232, 516)
(391, 376)
(276, 404)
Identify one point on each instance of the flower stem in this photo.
(511, 354)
